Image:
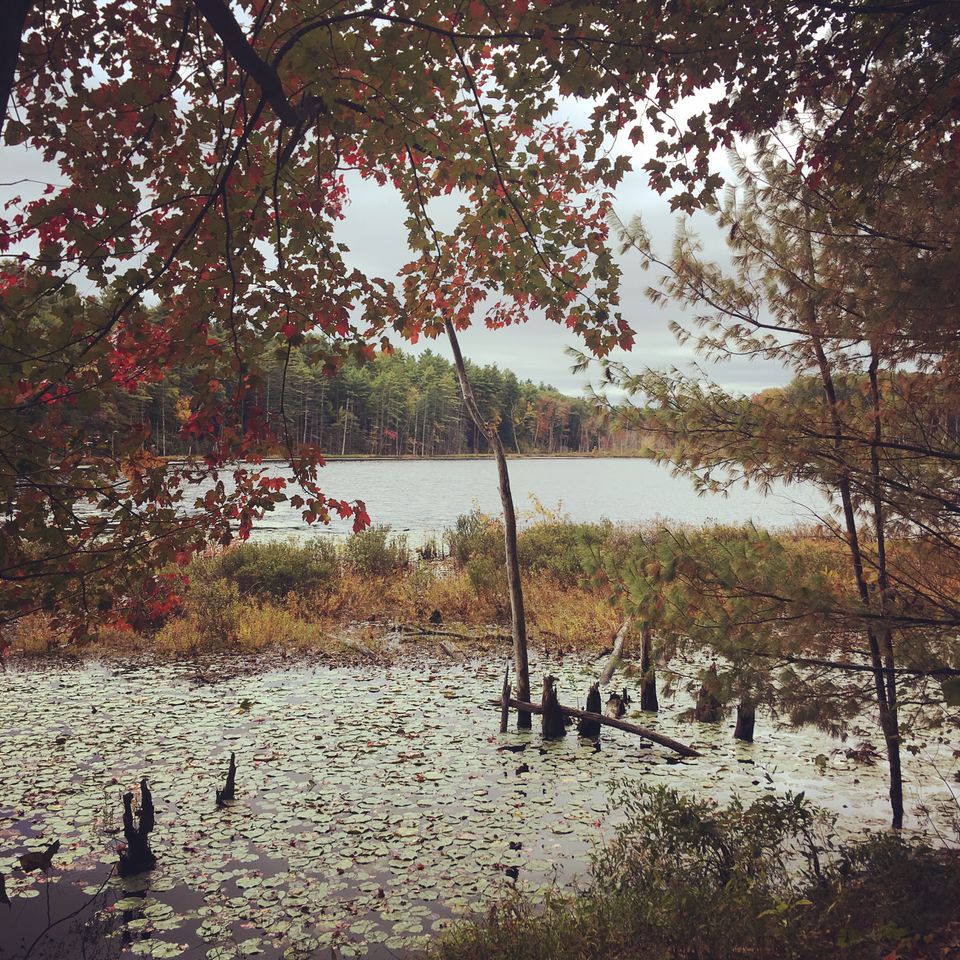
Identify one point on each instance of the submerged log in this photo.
(608, 671)
(648, 676)
(227, 794)
(664, 741)
(138, 857)
(746, 719)
(590, 728)
(552, 720)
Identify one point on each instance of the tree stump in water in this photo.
(709, 709)
(553, 723)
(591, 728)
(505, 701)
(648, 677)
(229, 790)
(746, 718)
(138, 857)
(617, 704)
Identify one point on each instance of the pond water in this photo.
(374, 803)
(426, 496)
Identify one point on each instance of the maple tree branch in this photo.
(224, 24)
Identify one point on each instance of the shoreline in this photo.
(411, 457)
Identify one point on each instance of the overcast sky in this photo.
(374, 231)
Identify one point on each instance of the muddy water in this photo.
(374, 804)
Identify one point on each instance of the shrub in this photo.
(275, 568)
(263, 625)
(685, 879)
(474, 534)
(557, 547)
(375, 552)
(212, 608)
(487, 576)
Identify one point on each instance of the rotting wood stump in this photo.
(227, 794)
(505, 701)
(648, 676)
(553, 723)
(591, 728)
(137, 857)
(709, 709)
(617, 704)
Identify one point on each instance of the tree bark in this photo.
(882, 662)
(588, 727)
(553, 724)
(138, 857)
(648, 676)
(618, 640)
(746, 719)
(517, 616)
(10, 38)
(228, 793)
(648, 734)
(709, 709)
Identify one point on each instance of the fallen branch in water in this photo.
(664, 741)
(608, 671)
(430, 632)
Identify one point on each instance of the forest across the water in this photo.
(398, 404)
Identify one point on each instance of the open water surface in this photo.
(426, 496)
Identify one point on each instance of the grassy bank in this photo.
(685, 879)
(342, 599)
(374, 595)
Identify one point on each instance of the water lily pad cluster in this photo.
(374, 805)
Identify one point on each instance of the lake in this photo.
(426, 496)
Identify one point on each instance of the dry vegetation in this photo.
(372, 597)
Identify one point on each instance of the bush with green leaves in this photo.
(474, 534)
(555, 547)
(273, 569)
(559, 547)
(212, 605)
(687, 879)
(376, 552)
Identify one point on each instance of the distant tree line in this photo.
(394, 405)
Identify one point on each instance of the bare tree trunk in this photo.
(648, 675)
(882, 662)
(611, 668)
(518, 619)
